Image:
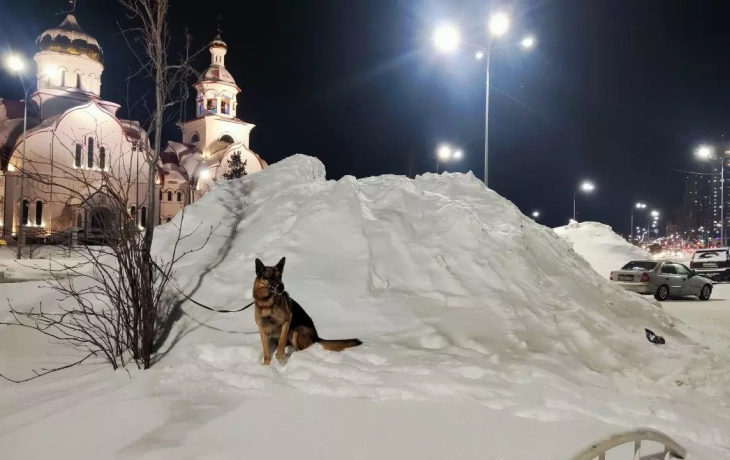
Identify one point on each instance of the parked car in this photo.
(663, 279)
(713, 263)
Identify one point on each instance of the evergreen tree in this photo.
(236, 168)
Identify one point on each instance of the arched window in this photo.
(25, 212)
(63, 78)
(77, 158)
(78, 81)
(169, 195)
(194, 138)
(179, 196)
(38, 212)
(161, 194)
(90, 148)
(226, 138)
(133, 212)
(143, 216)
(79, 220)
(102, 158)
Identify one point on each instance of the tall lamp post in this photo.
(447, 39)
(16, 65)
(707, 153)
(637, 206)
(585, 187)
(446, 153)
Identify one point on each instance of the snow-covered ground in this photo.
(485, 335)
(600, 246)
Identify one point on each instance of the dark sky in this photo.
(617, 91)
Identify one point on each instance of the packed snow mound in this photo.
(474, 319)
(600, 246)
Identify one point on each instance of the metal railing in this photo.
(599, 449)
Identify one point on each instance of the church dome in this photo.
(217, 72)
(69, 38)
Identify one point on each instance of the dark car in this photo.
(713, 263)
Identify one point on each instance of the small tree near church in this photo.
(236, 167)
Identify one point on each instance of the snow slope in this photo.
(481, 328)
(600, 246)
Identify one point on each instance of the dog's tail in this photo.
(339, 345)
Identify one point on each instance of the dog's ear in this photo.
(260, 268)
(280, 265)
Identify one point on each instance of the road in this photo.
(712, 316)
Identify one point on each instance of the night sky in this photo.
(616, 91)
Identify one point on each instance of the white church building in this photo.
(74, 138)
(208, 140)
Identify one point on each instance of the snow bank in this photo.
(473, 318)
(604, 250)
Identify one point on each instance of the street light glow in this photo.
(536, 214)
(704, 152)
(528, 42)
(655, 213)
(15, 63)
(458, 154)
(204, 174)
(446, 38)
(444, 152)
(479, 55)
(640, 205)
(587, 186)
(498, 24)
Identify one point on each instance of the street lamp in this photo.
(446, 153)
(16, 64)
(447, 39)
(586, 187)
(705, 153)
(535, 214)
(637, 206)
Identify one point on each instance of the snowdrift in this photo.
(604, 250)
(473, 318)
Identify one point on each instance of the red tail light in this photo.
(610, 276)
(644, 277)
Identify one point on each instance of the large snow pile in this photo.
(484, 335)
(600, 246)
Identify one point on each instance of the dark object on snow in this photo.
(236, 168)
(653, 338)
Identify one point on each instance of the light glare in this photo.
(458, 154)
(444, 152)
(479, 55)
(704, 152)
(528, 42)
(587, 186)
(446, 38)
(498, 24)
(15, 63)
(536, 214)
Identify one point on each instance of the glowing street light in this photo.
(498, 24)
(14, 63)
(528, 42)
(637, 206)
(446, 38)
(704, 152)
(446, 153)
(655, 213)
(586, 187)
(535, 214)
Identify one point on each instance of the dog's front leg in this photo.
(265, 344)
(281, 348)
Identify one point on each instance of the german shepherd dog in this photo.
(281, 319)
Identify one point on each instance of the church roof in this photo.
(216, 73)
(69, 38)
